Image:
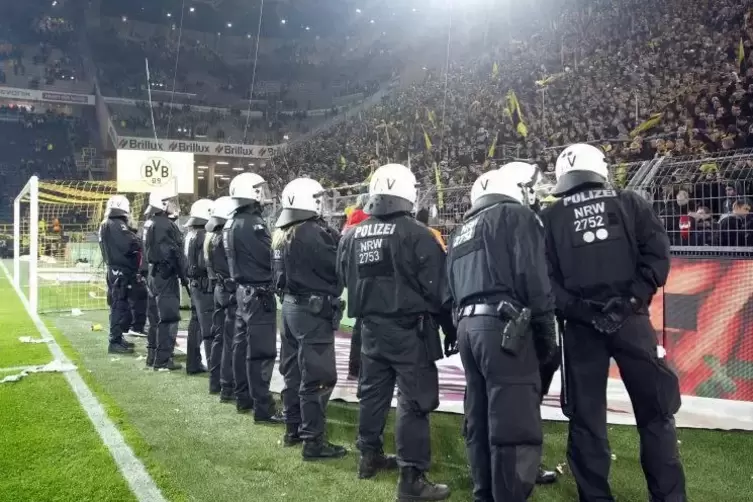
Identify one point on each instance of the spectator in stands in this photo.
(357, 215)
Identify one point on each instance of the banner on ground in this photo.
(69, 98)
(197, 147)
(143, 171)
(704, 319)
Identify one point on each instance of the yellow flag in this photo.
(432, 117)
(653, 121)
(440, 190)
(493, 148)
(740, 54)
(495, 70)
(427, 140)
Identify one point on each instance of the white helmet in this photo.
(577, 165)
(223, 208)
(528, 178)
(394, 180)
(164, 199)
(118, 203)
(201, 210)
(248, 187)
(495, 182)
(301, 200)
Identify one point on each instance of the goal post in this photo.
(27, 281)
(57, 263)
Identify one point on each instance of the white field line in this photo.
(141, 483)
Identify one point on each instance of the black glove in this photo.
(613, 315)
(184, 282)
(581, 311)
(450, 344)
(545, 339)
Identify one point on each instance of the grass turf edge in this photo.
(159, 473)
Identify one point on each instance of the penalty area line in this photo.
(131, 468)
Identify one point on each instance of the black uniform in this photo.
(393, 267)
(163, 246)
(139, 297)
(121, 253)
(498, 256)
(608, 255)
(223, 318)
(202, 299)
(305, 273)
(152, 313)
(248, 246)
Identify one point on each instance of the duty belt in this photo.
(478, 309)
(303, 299)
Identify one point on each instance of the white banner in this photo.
(695, 413)
(69, 98)
(197, 147)
(142, 171)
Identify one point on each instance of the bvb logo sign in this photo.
(156, 171)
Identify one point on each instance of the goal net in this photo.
(57, 263)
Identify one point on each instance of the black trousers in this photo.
(354, 359)
(256, 327)
(654, 391)
(165, 293)
(138, 303)
(223, 326)
(392, 353)
(307, 364)
(119, 292)
(200, 325)
(502, 412)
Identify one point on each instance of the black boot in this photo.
(275, 418)
(196, 370)
(413, 485)
(291, 437)
(322, 450)
(128, 344)
(545, 477)
(170, 365)
(372, 462)
(227, 396)
(119, 348)
(244, 406)
(150, 358)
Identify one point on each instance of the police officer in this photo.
(305, 252)
(248, 245)
(393, 269)
(536, 196)
(138, 300)
(152, 313)
(163, 246)
(202, 297)
(120, 252)
(608, 255)
(223, 318)
(498, 282)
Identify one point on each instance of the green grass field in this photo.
(199, 450)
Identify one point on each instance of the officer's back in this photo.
(309, 264)
(250, 244)
(162, 239)
(388, 266)
(600, 237)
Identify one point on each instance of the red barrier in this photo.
(704, 316)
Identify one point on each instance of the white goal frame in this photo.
(31, 189)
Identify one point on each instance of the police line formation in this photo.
(528, 290)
